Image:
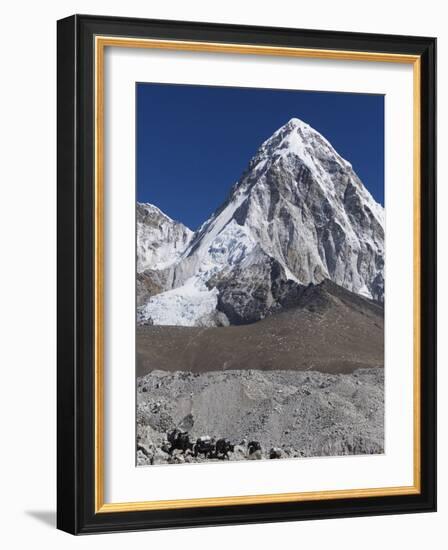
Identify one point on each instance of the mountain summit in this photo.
(297, 216)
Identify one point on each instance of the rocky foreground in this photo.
(290, 413)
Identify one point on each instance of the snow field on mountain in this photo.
(182, 306)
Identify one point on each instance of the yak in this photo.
(253, 446)
(179, 440)
(205, 446)
(223, 448)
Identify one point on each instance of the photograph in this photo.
(246, 264)
(260, 274)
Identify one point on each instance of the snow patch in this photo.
(364, 291)
(185, 306)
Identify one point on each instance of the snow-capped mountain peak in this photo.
(298, 215)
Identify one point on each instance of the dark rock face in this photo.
(149, 283)
(251, 293)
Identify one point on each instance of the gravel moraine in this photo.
(293, 413)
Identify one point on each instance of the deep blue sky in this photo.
(193, 142)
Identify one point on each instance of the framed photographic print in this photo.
(246, 274)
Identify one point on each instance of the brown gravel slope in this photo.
(332, 330)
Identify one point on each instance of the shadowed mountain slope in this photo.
(328, 329)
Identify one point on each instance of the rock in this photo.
(256, 455)
(160, 457)
(187, 423)
(165, 447)
(142, 459)
(275, 452)
(147, 448)
(239, 453)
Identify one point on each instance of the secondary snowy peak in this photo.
(160, 240)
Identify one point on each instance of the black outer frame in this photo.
(75, 310)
